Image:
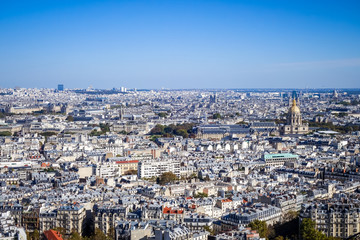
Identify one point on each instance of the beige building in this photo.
(71, 217)
(337, 219)
(126, 166)
(294, 124)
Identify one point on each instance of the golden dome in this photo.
(294, 108)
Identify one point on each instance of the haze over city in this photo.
(180, 44)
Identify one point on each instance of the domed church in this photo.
(294, 123)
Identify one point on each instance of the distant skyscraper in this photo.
(60, 87)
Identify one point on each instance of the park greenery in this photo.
(185, 130)
(162, 114)
(104, 128)
(216, 116)
(70, 118)
(337, 128)
(200, 195)
(166, 177)
(5, 134)
(289, 229)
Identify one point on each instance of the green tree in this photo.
(158, 130)
(209, 229)
(5, 134)
(182, 132)
(290, 215)
(200, 195)
(162, 114)
(131, 172)
(104, 127)
(35, 235)
(279, 238)
(48, 134)
(111, 234)
(98, 235)
(307, 230)
(61, 230)
(75, 236)
(261, 227)
(167, 177)
(70, 118)
(216, 116)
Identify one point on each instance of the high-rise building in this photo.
(60, 87)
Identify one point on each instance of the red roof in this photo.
(124, 162)
(167, 210)
(52, 235)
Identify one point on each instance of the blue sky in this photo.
(180, 44)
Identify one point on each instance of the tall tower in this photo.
(122, 113)
(294, 115)
(294, 124)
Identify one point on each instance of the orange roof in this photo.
(226, 200)
(188, 198)
(52, 235)
(167, 210)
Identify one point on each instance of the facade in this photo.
(338, 219)
(156, 167)
(294, 124)
(279, 159)
(269, 214)
(219, 132)
(105, 217)
(71, 217)
(126, 166)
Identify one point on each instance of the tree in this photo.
(104, 127)
(75, 235)
(208, 229)
(162, 114)
(200, 195)
(167, 177)
(157, 130)
(5, 134)
(131, 172)
(216, 116)
(35, 235)
(182, 132)
(61, 230)
(111, 234)
(290, 215)
(260, 227)
(70, 118)
(279, 238)
(98, 235)
(307, 229)
(48, 134)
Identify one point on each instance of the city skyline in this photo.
(177, 45)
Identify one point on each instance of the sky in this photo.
(155, 44)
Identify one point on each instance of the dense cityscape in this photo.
(121, 163)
